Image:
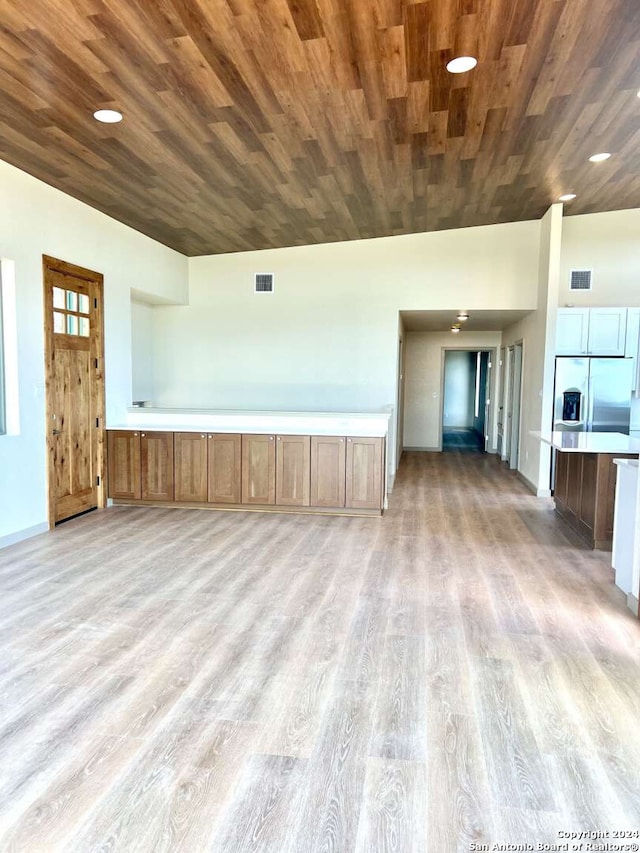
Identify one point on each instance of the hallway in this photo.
(456, 672)
(462, 438)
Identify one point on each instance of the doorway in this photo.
(466, 401)
(74, 382)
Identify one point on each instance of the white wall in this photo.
(36, 219)
(328, 336)
(609, 244)
(142, 351)
(459, 385)
(535, 331)
(424, 370)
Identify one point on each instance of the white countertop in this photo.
(626, 463)
(591, 442)
(374, 424)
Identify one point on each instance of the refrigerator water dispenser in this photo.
(571, 406)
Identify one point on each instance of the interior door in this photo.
(501, 410)
(516, 384)
(74, 388)
(487, 400)
(400, 412)
(508, 406)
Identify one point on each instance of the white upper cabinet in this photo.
(573, 331)
(607, 331)
(591, 331)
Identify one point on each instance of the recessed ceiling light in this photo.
(567, 197)
(463, 316)
(108, 116)
(599, 158)
(455, 329)
(461, 64)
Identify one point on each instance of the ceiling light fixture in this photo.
(599, 158)
(567, 197)
(461, 64)
(455, 329)
(108, 116)
(463, 316)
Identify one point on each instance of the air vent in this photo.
(580, 280)
(264, 282)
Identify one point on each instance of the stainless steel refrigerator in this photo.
(593, 395)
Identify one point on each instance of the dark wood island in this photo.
(585, 481)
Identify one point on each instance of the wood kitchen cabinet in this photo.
(259, 469)
(293, 470)
(364, 478)
(190, 466)
(225, 465)
(328, 471)
(123, 449)
(561, 476)
(584, 494)
(156, 458)
(574, 482)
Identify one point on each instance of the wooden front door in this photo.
(74, 359)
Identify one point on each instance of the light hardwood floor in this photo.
(457, 672)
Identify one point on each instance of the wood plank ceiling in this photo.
(261, 123)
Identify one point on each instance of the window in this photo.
(70, 313)
(9, 400)
(3, 419)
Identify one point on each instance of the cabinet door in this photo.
(225, 453)
(123, 448)
(574, 481)
(607, 331)
(156, 453)
(560, 487)
(258, 469)
(364, 473)
(293, 470)
(190, 466)
(328, 471)
(572, 335)
(589, 491)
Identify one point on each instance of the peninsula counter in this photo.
(327, 462)
(585, 480)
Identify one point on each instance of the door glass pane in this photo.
(58, 297)
(72, 324)
(58, 323)
(84, 327)
(72, 300)
(83, 303)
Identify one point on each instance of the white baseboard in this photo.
(632, 603)
(425, 449)
(527, 482)
(391, 478)
(20, 535)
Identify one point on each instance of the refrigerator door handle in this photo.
(590, 401)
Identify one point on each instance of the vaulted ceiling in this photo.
(259, 123)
